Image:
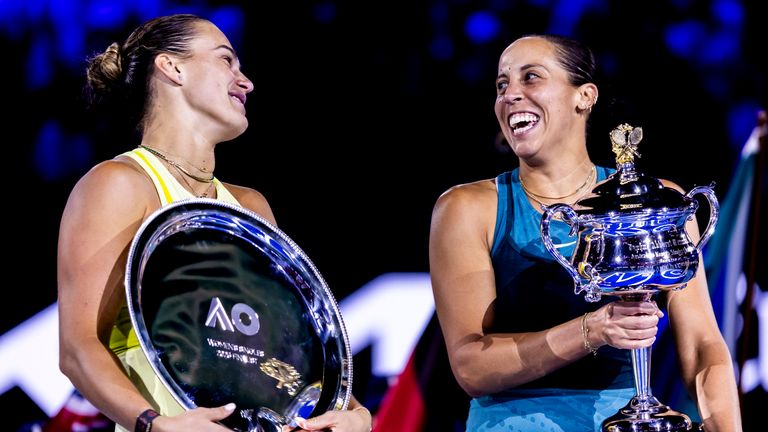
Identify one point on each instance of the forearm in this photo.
(496, 362)
(98, 375)
(715, 390)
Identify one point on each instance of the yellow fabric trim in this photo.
(162, 185)
(168, 188)
(223, 194)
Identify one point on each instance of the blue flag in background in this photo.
(724, 256)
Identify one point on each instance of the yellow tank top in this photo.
(123, 341)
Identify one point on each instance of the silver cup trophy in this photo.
(632, 243)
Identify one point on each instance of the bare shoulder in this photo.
(252, 200)
(472, 196)
(465, 211)
(102, 213)
(118, 184)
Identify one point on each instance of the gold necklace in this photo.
(534, 196)
(178, 166)
(191, 189)
(592, 172)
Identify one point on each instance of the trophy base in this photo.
(647, 415)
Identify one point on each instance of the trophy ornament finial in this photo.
(625, 139)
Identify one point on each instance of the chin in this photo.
(242, 127)
(236, 129)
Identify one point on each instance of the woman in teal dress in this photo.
(532, 354)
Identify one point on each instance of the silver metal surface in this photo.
(227, 308)
(631, 252)
(631, 242)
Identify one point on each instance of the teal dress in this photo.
(535, 293)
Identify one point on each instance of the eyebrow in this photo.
(522, 68)
(228, 48)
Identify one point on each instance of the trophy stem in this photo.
(641, 359)
(641, 366)
(644, 413)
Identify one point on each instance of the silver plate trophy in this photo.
(632, 243)
(227, 308)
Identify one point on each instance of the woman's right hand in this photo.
(198, 420)
(624, 324)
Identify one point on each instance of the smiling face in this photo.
(537, 106)
(212, 82)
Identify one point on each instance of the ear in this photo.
(168, 66)
(587, 96)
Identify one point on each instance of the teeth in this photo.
(523, 129)
(521, 122)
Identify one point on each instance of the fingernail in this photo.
(229, 407)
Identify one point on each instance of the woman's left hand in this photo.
(357, 420)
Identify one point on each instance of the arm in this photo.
(463, 282)
(706, 363)
(102, 215)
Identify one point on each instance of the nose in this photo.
(244, 83)
(510, 98)
(512, 93)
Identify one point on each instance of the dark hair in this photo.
(575, 57)
(119, 76)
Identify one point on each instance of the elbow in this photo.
(470, 379)
(66, 362)
(471, 390)
(69, 363)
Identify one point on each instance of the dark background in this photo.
(364, 112)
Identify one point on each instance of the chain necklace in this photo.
(592, 172)
(191, 189)
(178, 166)
(535, 197)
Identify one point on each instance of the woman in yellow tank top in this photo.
(180, 79)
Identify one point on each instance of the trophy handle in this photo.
(570, 219)
(714, 212)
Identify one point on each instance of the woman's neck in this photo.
(191, 153)
(561, 182)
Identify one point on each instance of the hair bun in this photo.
(104, 72)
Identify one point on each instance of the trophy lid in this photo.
(628, 190)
